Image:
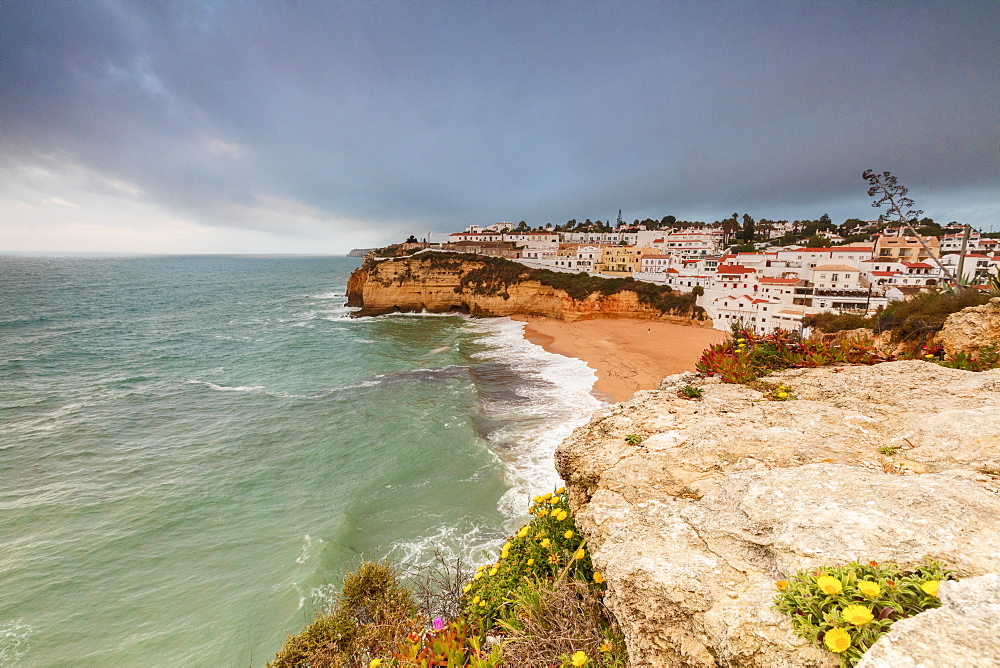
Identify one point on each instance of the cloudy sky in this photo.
(315, 127)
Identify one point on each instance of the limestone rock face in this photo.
(962, 633)
(971, 328)
(731, 492)
(434, 284)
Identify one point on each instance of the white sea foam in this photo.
(14, 640)
(50, 421)
(310, 547)
(328, 295)
(226, 388)
(466, 540)
(559, 400)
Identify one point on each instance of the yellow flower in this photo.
(543, 512)
(493, 571)
(478, 575)
(554, 559)
(929, 356)
(605, 647)
(523, 532)
(837, 640)
(869, 589)
(560, 490)
(482, 604)
(598, 578)
(561, 515)
(568, 535)
(930, 587)
(740, 340)
(546, 497)
(531, 562)
(858, 615)
(781, 584)
(782, 395)
(476, 600)
(467, 587)
(579, 554)
(579, 658)
(546, 542)
(829, 585)
(374, 663)
(538, 499)
(554, 500)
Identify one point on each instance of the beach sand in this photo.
(628, 355)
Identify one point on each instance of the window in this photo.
(835, 277)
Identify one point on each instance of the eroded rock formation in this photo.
(971, 328)
(729, 493)
(433, 282)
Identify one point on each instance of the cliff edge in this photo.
(729, 493)
(477, 285)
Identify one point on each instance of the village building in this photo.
(906, 248)
(622, 260)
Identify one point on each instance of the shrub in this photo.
(847, 608)
(541, 600)
(748, 356)
(371, 612)
(549, 623)
(910, 320)
(543, 596)
(837, 322)
(916, 319)
(633, 439)
(542, 550)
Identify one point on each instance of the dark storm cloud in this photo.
(441, 114)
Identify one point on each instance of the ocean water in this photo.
(192, 449)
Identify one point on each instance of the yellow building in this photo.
(906, 249)
(622, 260)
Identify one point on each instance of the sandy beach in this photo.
(628, 355)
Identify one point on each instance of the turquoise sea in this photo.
(192, 449)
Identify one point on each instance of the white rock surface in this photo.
(729, 493)
(963, 633)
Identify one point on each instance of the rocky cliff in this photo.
(967, 330)
(439, 283)
(729, 493)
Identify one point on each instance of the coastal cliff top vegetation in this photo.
(748, 356)
(540, 600)
(912, 320)
(494, 276)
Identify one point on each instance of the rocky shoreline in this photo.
(727, 494)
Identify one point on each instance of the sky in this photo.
(318, 127)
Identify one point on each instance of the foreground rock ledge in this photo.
(729, 493)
